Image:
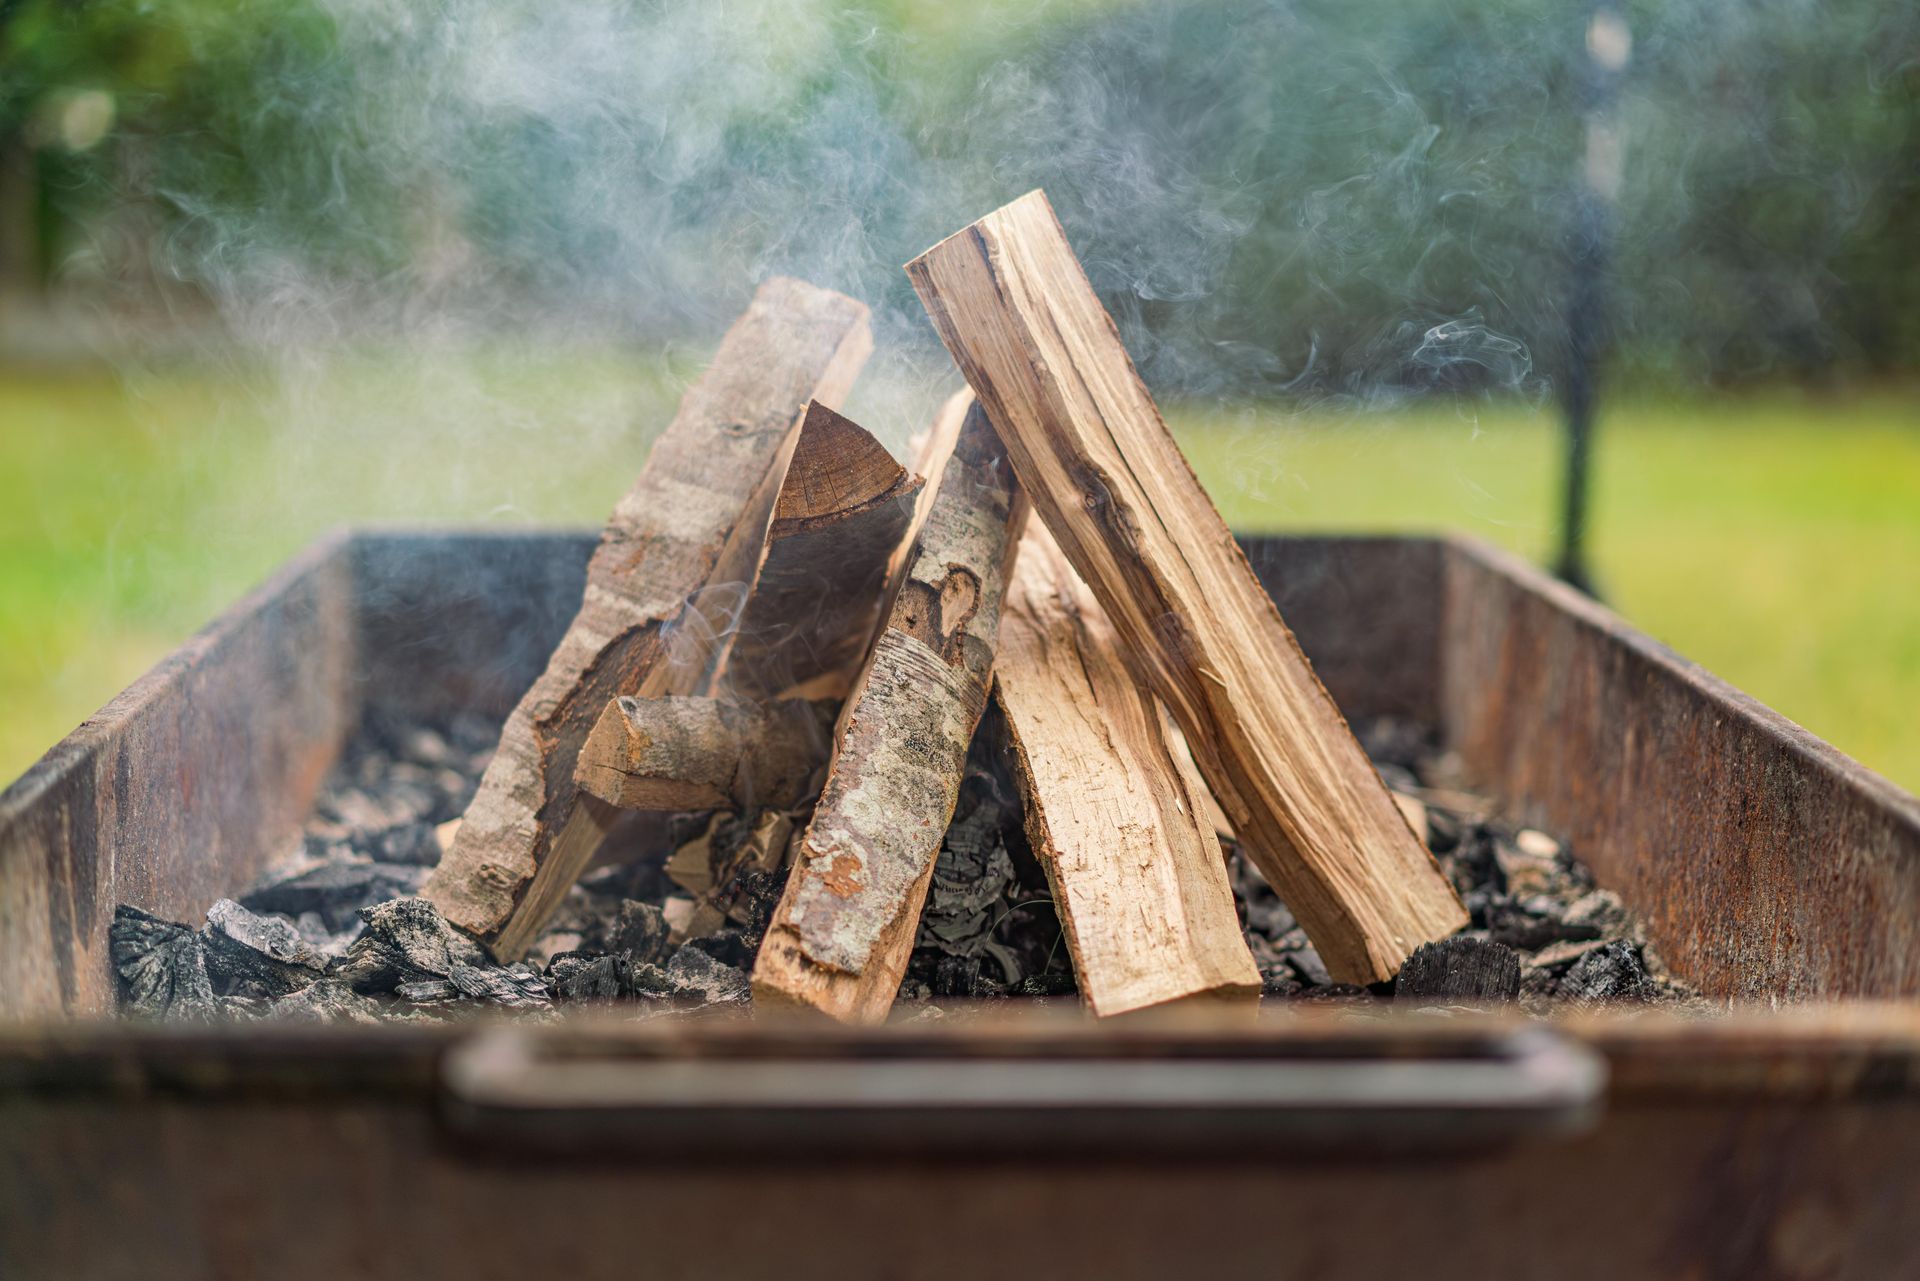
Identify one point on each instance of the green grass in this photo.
(1774, 538)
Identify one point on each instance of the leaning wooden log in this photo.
(1014, 307)
(844, 510)
(839, 940)
(1115, 811)
(701, 753)
(662, 590)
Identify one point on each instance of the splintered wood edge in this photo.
(1055, 639)
(1013, 305)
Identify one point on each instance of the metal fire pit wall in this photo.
(1777, 1141)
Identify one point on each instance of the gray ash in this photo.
(336, 932)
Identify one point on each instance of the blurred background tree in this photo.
(1279, 196)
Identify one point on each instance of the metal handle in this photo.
(500, 1089)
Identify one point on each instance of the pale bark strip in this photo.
(663, 587)
(1116, 816)
(844, 511)
(839, 940)
(695, 753)
(1012, 304)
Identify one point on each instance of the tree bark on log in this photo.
(1011, 302)
(838, 942)
(1116, 813)
(662, 591)
(699, 753)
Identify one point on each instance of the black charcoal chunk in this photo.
(697, 975)
(757, 897)
(327, 1001)
(427, 991)
(1460, 970)
(640, 931)
(1612, 972)
(966, 899)
(517, 985)
(727, 946)
(693, 977)
(1533, 923)
(1307, 964)
(405, 940)
(336, 891)
(253, 955)
(575, 976)
(162, 966)
(652, 981)
(957, 976)
(412, 844)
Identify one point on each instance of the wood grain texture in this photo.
(672, 570)
(1012, 304)
(697, 752)
(839, 941)
(843, 512)
(1115, 812)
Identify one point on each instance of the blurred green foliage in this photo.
(1349, 197)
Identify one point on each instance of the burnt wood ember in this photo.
(989, 925)
(1464, 969)
(606, 977)
(405, 941)
(639, 932)
(336, 892)
(1615, 971)
(989, 928)
(249, 955)
(162, 967)
(327, 1001)
(518, 984)
(692, 977)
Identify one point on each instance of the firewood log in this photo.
(1115, 811)
(1011, 303)
(700, 753)
(662, 590)
(844, 510)
(839, 940)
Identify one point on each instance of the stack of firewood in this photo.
(780, 619)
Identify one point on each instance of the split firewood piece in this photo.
(668, 578)
(1115, 811)
(843, 513)
(708, 866)
(839, 940)
(700, 753)
(1014, 307)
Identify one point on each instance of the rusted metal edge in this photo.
(1846, 1052)
(1766, 863)
(203, 646)
(1802, 742)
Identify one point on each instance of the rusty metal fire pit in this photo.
(1771, 870)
